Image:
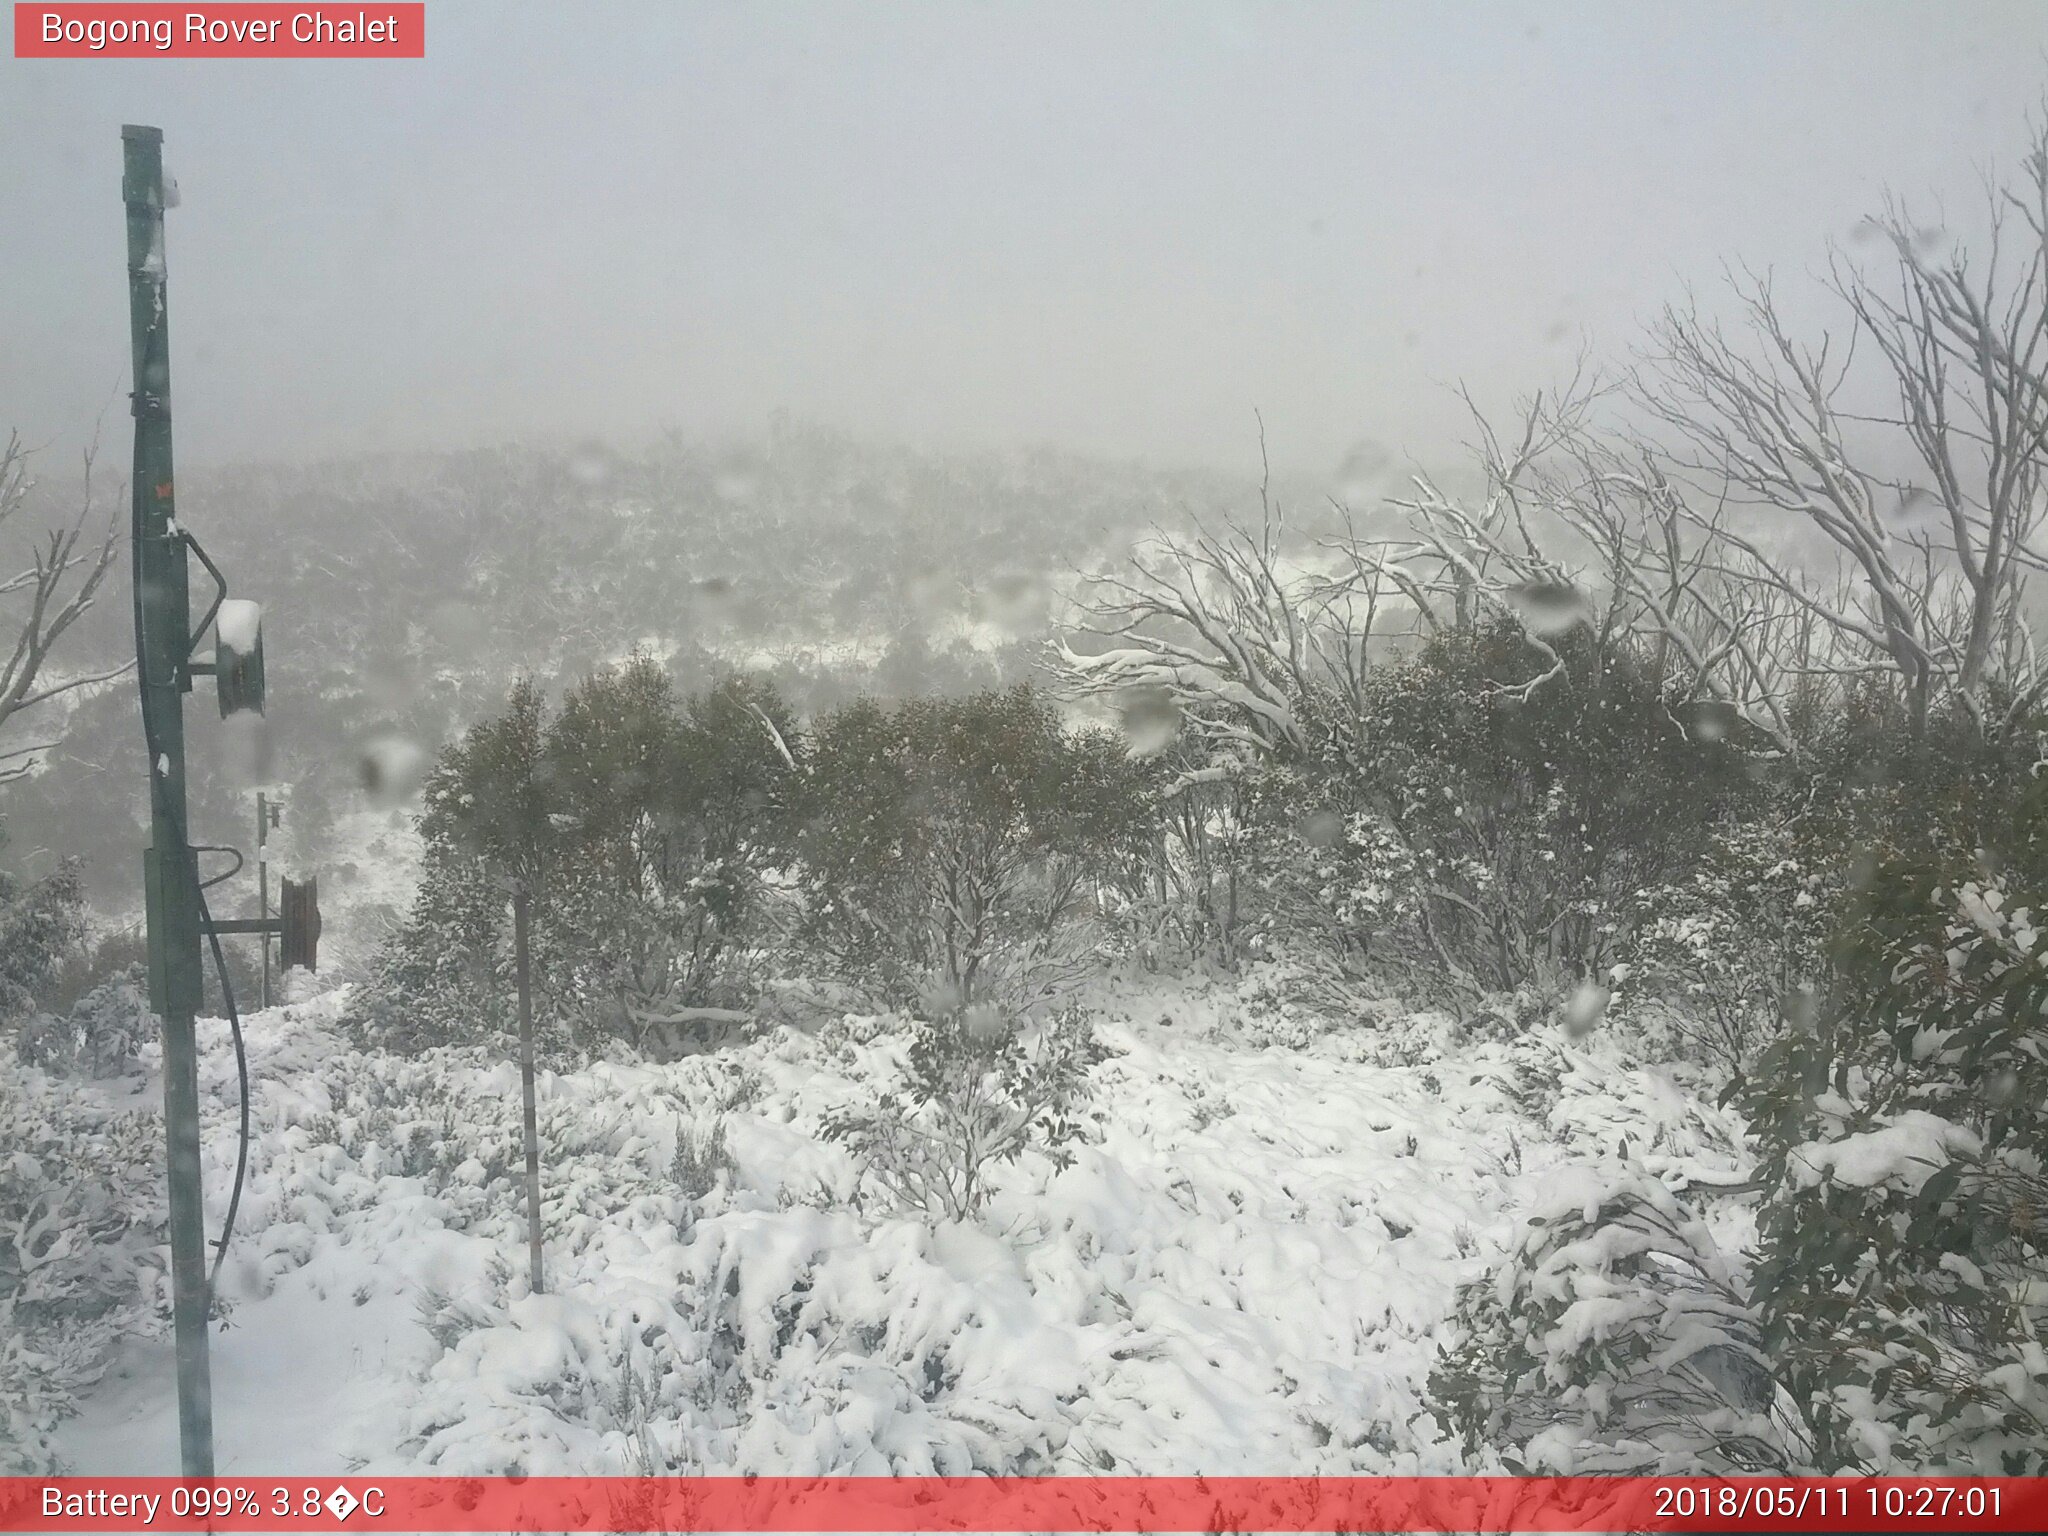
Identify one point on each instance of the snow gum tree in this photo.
(40, 601)
(676, 809)
(952, 846)
(638, 824)
(485, 826)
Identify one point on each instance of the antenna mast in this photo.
(163, 647)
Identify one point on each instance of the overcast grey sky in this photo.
(1119, 227)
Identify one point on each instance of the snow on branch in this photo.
(46, 597)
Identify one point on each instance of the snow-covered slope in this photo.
(1247, 1269)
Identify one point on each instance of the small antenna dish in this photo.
(238, 656)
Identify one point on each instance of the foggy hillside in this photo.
(403, 595)
(1140, 742)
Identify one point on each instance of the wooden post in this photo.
(532, 1124)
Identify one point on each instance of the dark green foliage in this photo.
(1720, 956)
(103, 956)
(485, 826)
(445, 975)
(40, 924)
(1902, 1259)
(99, 1035)
(1181, 888)
(701, 1159)
(1880, 790)
(638, 825)
(1491, 821)
(675, 813)
(954, 844)
(491, 797)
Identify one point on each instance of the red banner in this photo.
(241, 31)
(1360, 1504)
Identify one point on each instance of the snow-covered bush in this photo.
(1280, 863)
(1175, 895)
(640, 827)
(98, 1036)
(673, 810)
(442, 979)
(958, 843)
(1524, 812)
(701, 1159)
(980, 1088)
(80, 1221)
(1719, 959)
(39, 924)
(1616, 1339)
(1903, 1270)
(797, 1342)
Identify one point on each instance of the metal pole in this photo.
(163, 641)
(263, 886)
(532, 1127)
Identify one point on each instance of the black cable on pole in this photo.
(227, 993)
(175, 816)
(229, 874)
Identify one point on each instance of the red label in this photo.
(242, 31)
(66, 1505)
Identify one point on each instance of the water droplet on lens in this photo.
(590, 465)
(1712, 720)
(1550, 607)
(1322, 829)
(1585, 1008)
(390, 769)
(1151, 722)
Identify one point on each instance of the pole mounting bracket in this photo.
(220, 593)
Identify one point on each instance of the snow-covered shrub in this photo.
(1279, 863)
(799, 1342)
(1903, 1269)
(102, 954)
(1717, 960)
(98, 1036)
(701, 1159)
(449, 1318)
(958, 843)
(1616, 1339)
(80, 1221)
(1175, 895)
(39, 925)
(981, 1087)
(640, 827)
(1488, 829)
(674, 809)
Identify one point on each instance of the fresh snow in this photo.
(1248, 1269)
(1906, 1152)
(238, 624)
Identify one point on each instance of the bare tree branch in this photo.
(46, 597)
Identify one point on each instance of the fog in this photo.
(1117, 229)
(923, 742)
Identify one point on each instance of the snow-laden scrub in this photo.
(1246, 1268)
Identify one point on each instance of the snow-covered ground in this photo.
(1247, 1269)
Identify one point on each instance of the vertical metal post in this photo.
(263, 886)
(162, 642)
(531, 1126)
